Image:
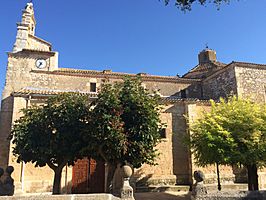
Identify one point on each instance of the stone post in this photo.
(198, 188)
(7, 187)
(126, 192)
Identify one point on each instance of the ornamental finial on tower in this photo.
(206, 46)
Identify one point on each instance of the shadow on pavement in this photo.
(161, 196)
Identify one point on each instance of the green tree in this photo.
(187, 4)
(51, 134)
(125, 125)
(233, 132)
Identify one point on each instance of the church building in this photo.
(33, 74)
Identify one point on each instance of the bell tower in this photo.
(30, 53)
(28, 45)
(207, 56)
(25, 28)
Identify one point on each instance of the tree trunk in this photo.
(110, 175)
(253, 183)
(57, 180)
(218, 176)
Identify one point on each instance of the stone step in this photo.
(18, 188)
(185, 188)
(227, 187)
(164, 188)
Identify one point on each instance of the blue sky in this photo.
(139, 35)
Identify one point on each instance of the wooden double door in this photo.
(88, 176)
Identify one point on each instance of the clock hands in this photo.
(40, 64)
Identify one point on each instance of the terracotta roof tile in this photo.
(205, 67)
(174, 99)
(144, 76)
(47, 92)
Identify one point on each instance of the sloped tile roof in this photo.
(47, 92)
(120, 75)
(205, 67)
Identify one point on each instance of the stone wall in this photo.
(5, 128)
(175, 158)
(162, 173)
(262, 178)
(37, 44)
(22, 72)
(19, 69)
(81, 82)
(166, 88)
(220, 84)
(181, 154)
(251, 83)
(194, 91)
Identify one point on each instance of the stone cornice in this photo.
(32, 51)
(249, 65)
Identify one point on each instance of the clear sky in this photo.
(139, 35)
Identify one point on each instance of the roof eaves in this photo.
(246, 64)
(84, 73)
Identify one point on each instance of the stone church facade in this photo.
(33, 75)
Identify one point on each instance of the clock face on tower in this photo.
(40, 63)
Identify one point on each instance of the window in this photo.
(163, 133)
(92, 87)
(183, 94)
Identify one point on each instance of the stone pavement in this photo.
(162, 196)
(138, 196)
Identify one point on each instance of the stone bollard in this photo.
(7, 187)
(126, 192)
(1, 183)
(198, 188)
